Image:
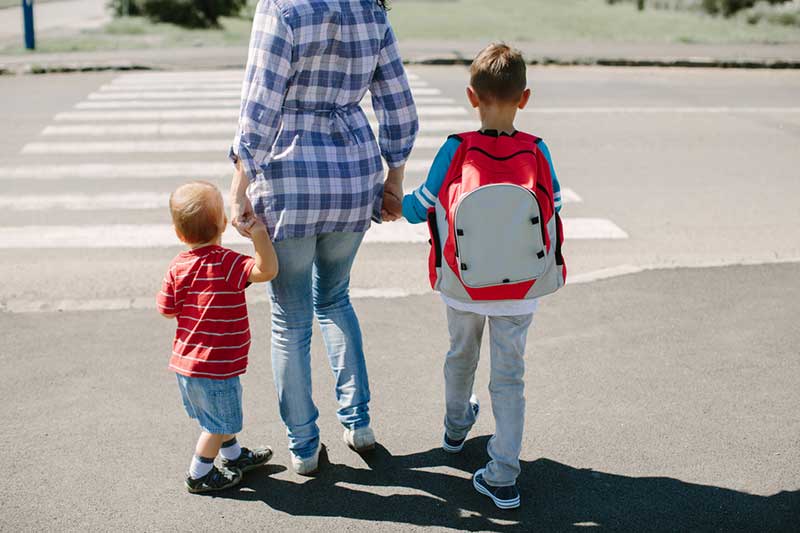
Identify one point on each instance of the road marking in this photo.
(159, 146)
(233, 75)
(570, 196)
(654, 110)
(146, 129)
(184, 95)
(86, 202)
(178, 86)
(180, 129)
(161, 95)
(162, 235)
(254, 295)
(591, 228)
(99, 202)
(123, 116)
(156, 104)
(138, 171)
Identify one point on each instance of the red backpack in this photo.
(495, 233)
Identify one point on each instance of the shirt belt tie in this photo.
(340, 117)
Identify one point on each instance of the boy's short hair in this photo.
(197, 208)
(499, 73)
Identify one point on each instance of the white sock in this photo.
(200, 466)
(231, 450)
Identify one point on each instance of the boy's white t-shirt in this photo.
(504, 308)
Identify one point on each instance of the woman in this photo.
(309, 166)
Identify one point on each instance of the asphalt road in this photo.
(665, 399)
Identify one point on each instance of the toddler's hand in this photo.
(256, 226)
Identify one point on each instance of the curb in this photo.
(691, 62)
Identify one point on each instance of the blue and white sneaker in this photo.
(503, 497)
(452, 445)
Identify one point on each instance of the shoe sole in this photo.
(451, 449)
(366, 448)
(255, 465)
(205, 491)
(307, 473)
(501, 504)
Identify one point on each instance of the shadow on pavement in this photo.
(555, 497)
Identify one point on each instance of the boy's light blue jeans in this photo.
(314, 279)
(507, 336)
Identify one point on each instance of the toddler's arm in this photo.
(266, 267)
(165, 301)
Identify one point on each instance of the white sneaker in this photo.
(359, 440)
(307, 466)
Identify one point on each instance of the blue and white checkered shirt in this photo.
(305, 143)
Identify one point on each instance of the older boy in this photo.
(204, 289)
(498, 89)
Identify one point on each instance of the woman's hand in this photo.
(393, 195)
(243, 217)
(242, 214)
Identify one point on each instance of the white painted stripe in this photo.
(568, 196)
(145, 129)
(86, 202)
(161, 146)
(157, 104)
(255, 296)
(167, 86)
(162, 235)
(258, 296)
(655, 110)
(196, 75)
(232, 74)
(115, 201)
(161, 95)
(124, 116)
(211, 169)
(128, 147)
(591, 228)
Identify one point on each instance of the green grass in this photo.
(515, 20)
(572, 20)
(137, 32)
(17, 3)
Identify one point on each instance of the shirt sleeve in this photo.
(165, 300)
(236, 268)
(417, 203)
(269, 67)
(556, 185)
(393, 104)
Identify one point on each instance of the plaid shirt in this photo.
(304, 142)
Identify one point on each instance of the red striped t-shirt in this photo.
(204, 288)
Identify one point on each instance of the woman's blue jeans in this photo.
(314, 279)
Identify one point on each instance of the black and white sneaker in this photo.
(452, 445)
(216, 479)
(503, 497)
(249, 459)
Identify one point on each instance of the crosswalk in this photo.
(133, 139)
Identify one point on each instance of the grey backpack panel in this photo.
(499, 236)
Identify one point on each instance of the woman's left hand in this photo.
(242, 214)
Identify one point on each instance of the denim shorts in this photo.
(216, 404)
